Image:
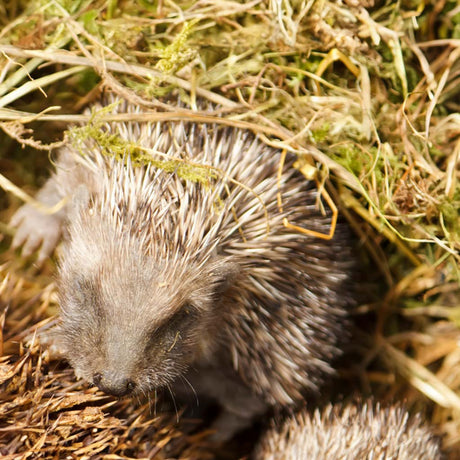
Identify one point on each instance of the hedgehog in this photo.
(364, 431)
(163, 278)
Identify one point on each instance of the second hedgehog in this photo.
(160, 274)
(363, 431)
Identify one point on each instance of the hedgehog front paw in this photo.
(36, 230)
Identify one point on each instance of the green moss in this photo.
(358, 161)
(112, 145)
(152, 88)
(320, 134)
(186, 171)
(87, 80)
(178, 53)
(449, 212)
(89, 21)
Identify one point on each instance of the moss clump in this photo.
(112, 145)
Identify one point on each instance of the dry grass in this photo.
(367, 95)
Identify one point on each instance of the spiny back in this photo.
(228, 194)
(282, 318)
(352, 432)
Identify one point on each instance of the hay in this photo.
(367, 95)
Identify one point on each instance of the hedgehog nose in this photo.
(113, 383)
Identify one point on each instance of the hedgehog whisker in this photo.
(174, 401)
(187, 381)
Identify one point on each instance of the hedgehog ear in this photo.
(224, 272)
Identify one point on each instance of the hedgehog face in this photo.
(137, 324)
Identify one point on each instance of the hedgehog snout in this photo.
(114, 383)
